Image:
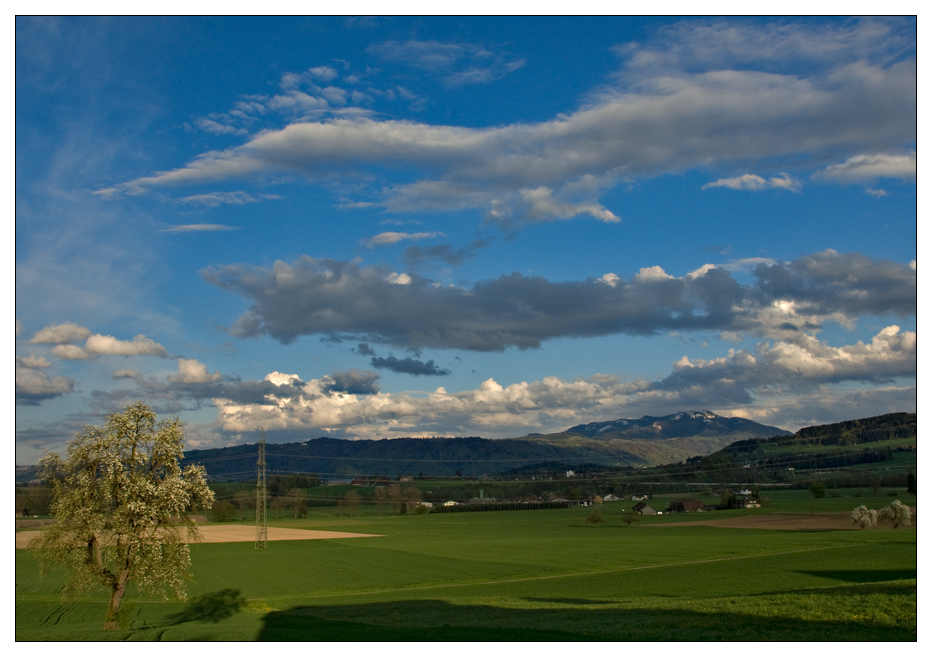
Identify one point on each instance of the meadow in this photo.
(506, 576)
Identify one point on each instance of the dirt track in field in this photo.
(791, 522)
(237, 534)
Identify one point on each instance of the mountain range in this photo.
(624, 442)
(643, 442)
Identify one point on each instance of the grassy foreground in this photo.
(510, 576)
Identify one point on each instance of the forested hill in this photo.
(335, 458)
(619, 443)
(851, 432)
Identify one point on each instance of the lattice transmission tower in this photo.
(262, 520)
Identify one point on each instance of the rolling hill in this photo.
(645, 442)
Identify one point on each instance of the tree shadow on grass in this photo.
(864, 576)
(572, 601)
(439, 620)
(209, 608)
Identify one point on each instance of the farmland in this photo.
(543, 575)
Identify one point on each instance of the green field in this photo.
(522, 575)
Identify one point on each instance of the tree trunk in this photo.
(119, 588)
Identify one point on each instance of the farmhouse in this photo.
(686, 505)
(748, 503)
(451, 503)
(644, 509)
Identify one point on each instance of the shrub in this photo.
(595, 518)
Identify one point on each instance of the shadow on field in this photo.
(438, 620)
(864, 576)
(572, 601)
(209, 608)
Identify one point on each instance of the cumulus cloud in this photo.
(389, 238)
(97, 345)
(353, 382)
(71, 352)
(753, 182)
(33, 386)
(868, 168)
(667, 113)
(409, 366)
(193, 385)
(191, 370)
(61, 334)
(760, 381)
(139, 346)
(344, 300)
(32, 362)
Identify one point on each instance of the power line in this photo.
(262, 522)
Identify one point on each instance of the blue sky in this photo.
(386, 227)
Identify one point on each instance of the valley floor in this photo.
(509, 576)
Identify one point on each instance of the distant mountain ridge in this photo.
(679, 425)
(644, 442)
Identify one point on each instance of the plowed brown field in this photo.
(237, 534)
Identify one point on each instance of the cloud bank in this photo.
(347, 301)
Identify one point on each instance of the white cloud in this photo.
(388, 238)
(70, 352)
(542, 205)
(33, 386)
(19, 327)
(696, 94)
(199, 228)
(399, 279)
(217, 128)
(32, 362)
(876, 193)
(61, 334)
(655, 273)
(867, 168)
(215, 199)
(457, 63)
(610, 279)
(139, 346)
(193, 371)
(755, 183)
(742, 381)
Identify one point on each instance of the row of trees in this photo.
(896, 514)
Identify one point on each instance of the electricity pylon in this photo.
(262, 521)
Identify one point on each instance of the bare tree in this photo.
(296, 498)
(412, 496)
(381, 498)
(351, 500)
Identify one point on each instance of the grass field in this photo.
(524, 575)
